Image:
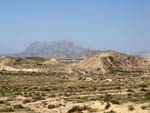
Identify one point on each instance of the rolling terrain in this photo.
(109, 82)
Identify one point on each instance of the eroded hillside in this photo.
(108, 62)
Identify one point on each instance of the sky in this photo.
(120, 25)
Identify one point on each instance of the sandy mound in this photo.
(113, 61)
(52, 62)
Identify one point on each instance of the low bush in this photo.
(51, 106)
(108, 105)
(27, 101)
(131, 108)
(18, 106)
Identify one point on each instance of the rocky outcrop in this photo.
(17, 61)
(21, 64)
(8, 68)
(17, 64)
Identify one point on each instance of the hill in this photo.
(111, 61)
(18, 61)
(17, 64)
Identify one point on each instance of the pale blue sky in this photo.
(121, 25)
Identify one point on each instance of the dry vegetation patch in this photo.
(27, 91)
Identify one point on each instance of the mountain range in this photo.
(64, 49)
(144, 53)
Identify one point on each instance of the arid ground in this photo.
(109, 82)
(56, 93)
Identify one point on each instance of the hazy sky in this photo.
(122, 25)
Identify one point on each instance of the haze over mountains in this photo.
(144, 53)
(60, 49)
(63, 49)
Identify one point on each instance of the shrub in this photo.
(77, 109)
(2, 102)
(108, 105)
(7, 110)
(38, 98)
(26, 101)
(115, 102)
(51, 106)
(144, 107)
(18, 106)
(131, 108)
(111, 111)
(130, 90)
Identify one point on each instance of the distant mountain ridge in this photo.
(145, 54)
(64, 49)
